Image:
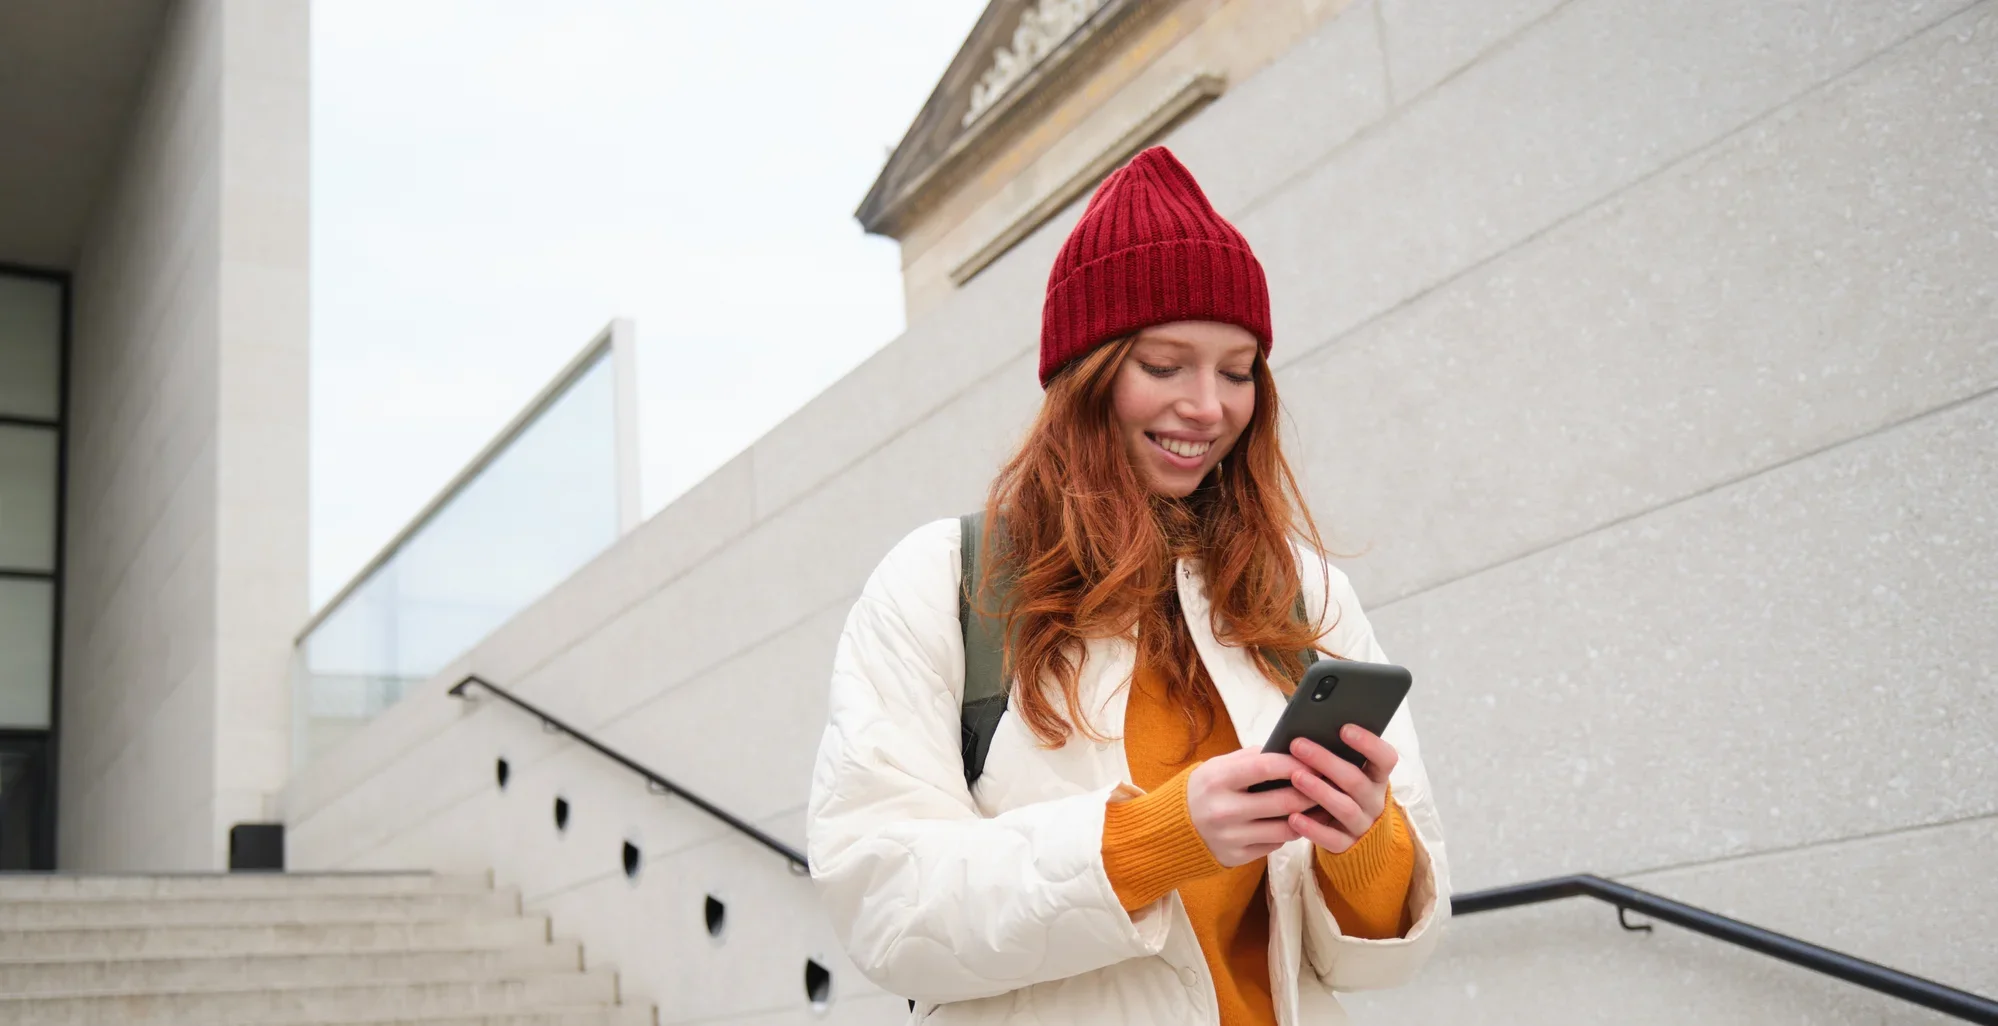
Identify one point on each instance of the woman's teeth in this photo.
(1190, 450)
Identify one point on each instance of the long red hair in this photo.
(1091, 552)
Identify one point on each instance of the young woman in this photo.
(1111, 865)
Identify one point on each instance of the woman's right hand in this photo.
(1238, 825)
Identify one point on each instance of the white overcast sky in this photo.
(494, 180)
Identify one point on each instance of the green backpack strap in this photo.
(1303, 615)
(985, 690)
(1299, 613)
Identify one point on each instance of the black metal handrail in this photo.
(658, 784)
(1871, 975)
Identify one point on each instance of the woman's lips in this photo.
(1176, 459)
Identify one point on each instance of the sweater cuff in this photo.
(1367, 885)
(1382, 849)
(1150, 845)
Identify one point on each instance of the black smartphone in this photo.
(1336, 692)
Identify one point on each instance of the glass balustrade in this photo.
(549, 495)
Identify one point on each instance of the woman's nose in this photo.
(1202, 405)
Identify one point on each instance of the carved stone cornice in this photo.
(946, 140)
(1043, 27)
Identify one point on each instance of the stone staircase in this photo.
(324, 950)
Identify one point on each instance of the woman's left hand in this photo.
(1349, 798)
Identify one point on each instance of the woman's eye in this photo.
(1157, 372)
(1239, 379)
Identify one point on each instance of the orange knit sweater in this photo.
(1150, 848)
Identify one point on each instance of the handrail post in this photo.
(1871, 975)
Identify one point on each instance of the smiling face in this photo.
(1181, 398)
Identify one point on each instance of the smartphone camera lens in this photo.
(1324, 688)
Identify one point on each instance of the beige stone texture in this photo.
(1643, 352)
(187, 467)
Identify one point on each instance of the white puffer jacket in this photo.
(994, 907)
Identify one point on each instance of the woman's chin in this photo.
(1175, 483)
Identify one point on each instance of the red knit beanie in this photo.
(1149, 250)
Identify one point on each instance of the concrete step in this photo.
(77, 913)
(188, 939)
(357, 1001)
(622, 1015)
(28, 886)
(45, 976)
